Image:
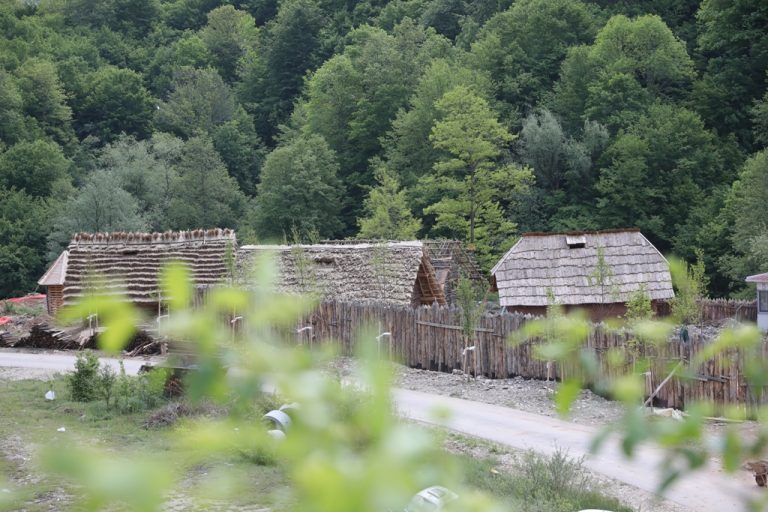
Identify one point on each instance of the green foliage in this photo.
(228, 35)
(199, 102)
(86, 382)
(639, 306)
(299, 189)
(631, 62)
(522, 48)
(116, 102)
(538, 483)
(388, 215)
(733, 41)
(407, 148)
(24, 226)
(33, 167)
(747, 232)
(604, 278)
(205, 195)
(690, 285)
(472, 179)
(470, 298)
(668, 156)
(134, 394)
(100, 206)
(616, 125)
(44, 98)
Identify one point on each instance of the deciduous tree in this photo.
(299, 190)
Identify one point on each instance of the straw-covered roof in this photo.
(448, 257)
(391, 272)
(131, 262)
(56, 272)
(568, 265)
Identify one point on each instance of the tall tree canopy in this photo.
(299, 190)
(386, 118)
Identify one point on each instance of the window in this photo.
(762, 301)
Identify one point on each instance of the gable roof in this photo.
(448, 257)
(56, 272)
(757, 278)
(545, 261)
(392, 272)
(131, 262)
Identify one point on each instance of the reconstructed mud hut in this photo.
(396, 273)
(130, 264)
(564, 267)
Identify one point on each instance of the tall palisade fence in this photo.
(431, 338)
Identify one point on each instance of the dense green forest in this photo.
(475, 120)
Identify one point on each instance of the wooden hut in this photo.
(130, 264)
(53, 281)
(566, 268)
(452, 262)
(397, 273)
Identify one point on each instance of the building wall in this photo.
(762, 316)
(54, 298)
(595, 312)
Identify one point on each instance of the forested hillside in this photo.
(475, 120)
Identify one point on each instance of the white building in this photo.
(761, 280)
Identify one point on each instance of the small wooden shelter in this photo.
(566, 268)
(130, 264)
(452, 262)
(53, 280)
(396, 273)
(761, 280)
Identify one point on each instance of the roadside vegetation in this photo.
(30, 422)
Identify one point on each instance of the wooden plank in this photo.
(452, 327)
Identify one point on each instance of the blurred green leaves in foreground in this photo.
(685, 443)
(346, 451)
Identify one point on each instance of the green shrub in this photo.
(639, 306)
(85, 382)
(558, 483)
(135, 394)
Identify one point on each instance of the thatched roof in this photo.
(565, 263)
(56, 272)
(392, 272)
(448, 257)
(131, 262)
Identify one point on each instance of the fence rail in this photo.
(431, 338)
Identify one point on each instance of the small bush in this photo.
(135, 394)
(85, 382)
(558, 483)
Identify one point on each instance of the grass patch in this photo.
(539, 483)
(29, 422)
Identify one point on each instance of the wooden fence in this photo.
(717, 310)
(431, 338)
